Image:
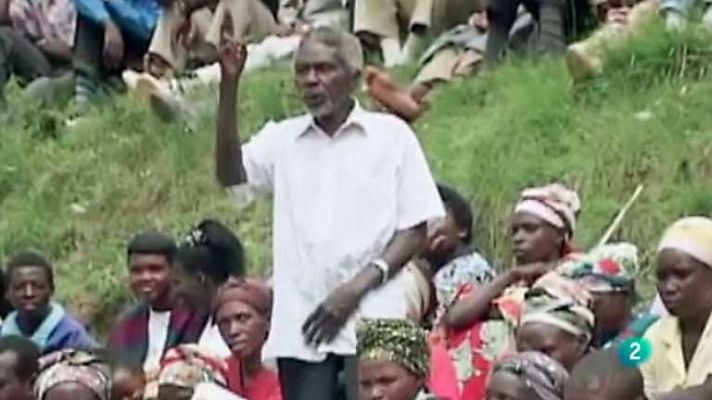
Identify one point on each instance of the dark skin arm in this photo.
(477, 307)
(703, 391)
(228, 151)
(331, 315)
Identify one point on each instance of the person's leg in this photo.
(675, 12)
(252, 21)
(301, 380)
(351, 377)
(88, 45)
(552, 38)
(165, 57)
(380, 19)
(23, 58)
(501, 15)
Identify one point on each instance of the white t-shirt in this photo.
(158, 322)
(211, 341)
(338, 201)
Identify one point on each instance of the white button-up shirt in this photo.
(338, 201)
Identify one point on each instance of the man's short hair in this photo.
(459, 207)
(26, 353)
(153, 242)
(347, 46)
(603, 372)
(29, 258)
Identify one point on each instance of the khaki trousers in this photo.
(394, 18)
(252, 22)
(449, 63)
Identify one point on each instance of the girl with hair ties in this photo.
(210, 255)
(479, 327)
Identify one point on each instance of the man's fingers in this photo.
(313, 324)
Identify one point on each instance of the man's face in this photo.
(11, 386)
(562, 346)
(150, 277)
(534, 240)
(384, 380)
(684, 284)
(242, 327)
(29, 291)
(324, 81)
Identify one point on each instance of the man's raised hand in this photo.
(232, 58)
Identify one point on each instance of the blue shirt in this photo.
(137, 17)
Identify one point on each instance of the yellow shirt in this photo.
(665, 370)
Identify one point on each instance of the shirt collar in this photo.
(357, 118)
(672, 336)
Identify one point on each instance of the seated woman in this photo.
(30, 287)
(556, 320)
(527, 376)
(479, 327)
(606, 273)
(242, 310)
(680, 366)
(393, 360)
(186, 367)
(80, 375)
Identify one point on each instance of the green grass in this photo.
(489, 136)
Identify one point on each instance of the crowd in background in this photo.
(378, 289)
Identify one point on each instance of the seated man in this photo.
(37, 39)
(30, 286)
(601, 375)
(110, 36)
(161, 320)
(18, 367)
(393, 360)
(242, 310)
(388, 21)
(681, 363)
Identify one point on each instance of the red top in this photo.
(263, 386)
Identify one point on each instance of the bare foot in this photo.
(385, 91)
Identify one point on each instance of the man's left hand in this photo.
(331, 315)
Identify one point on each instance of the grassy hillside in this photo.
(78, 194)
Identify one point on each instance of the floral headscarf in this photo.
(605, 269)
(538, 372)
(394, 340)
(74, 366)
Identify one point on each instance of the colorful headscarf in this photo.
(247, 290)
(691, 235)
(605, 269)
(540, 373)
(74, 366)
(394, 340)
(561, 302)
(554, 203)
(188, 365)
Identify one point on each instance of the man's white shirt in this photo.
(337, 203)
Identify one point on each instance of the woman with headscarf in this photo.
(680, 365)
(607, 273)
(83, 375)
(393, 360)
(479, 327)
(527, 376)
(242, 310)
(209, 256)
(185, 368)
(557, 320)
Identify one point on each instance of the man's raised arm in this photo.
(230, 170)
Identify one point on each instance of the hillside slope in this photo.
(80, 194)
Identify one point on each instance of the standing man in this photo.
(352, 193)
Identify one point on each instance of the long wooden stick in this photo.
(619, 218)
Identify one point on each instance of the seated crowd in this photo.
(378, 290)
